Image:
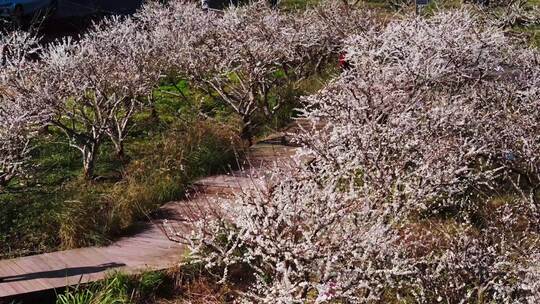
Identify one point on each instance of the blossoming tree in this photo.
(422, 186)
(18, 120)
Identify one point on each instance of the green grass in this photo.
(531, 34)
(297, 4)
(117, 289)
(186, 285)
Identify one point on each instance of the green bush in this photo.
(114, 290)
(118, 288)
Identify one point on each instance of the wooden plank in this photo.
(7, 290)
(53, 263)
(93, 257)
(22, 286)
(5, 287)
(13, 271)
(34, 273)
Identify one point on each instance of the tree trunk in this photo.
(3, 183)
(120, 152)
(89, 161)
(246, 133)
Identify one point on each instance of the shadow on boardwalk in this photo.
(60, 273)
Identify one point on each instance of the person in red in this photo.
(343, 63)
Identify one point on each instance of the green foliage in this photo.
(150, 282)
(291, 93)
(86, 296)
(118, 288)
(114, 290)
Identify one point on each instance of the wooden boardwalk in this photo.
(153, 247)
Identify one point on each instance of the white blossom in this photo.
(435, 122)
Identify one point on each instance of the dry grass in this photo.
(165, 167)
(200, 291)
(183, 154)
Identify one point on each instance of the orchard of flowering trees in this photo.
(256, 50)
(423, 187)
(91, 88)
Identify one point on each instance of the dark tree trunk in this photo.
(121, 153)
(247, 134)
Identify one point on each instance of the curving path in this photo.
(156, 245)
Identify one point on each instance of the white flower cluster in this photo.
(438, 108)
(422, 188)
